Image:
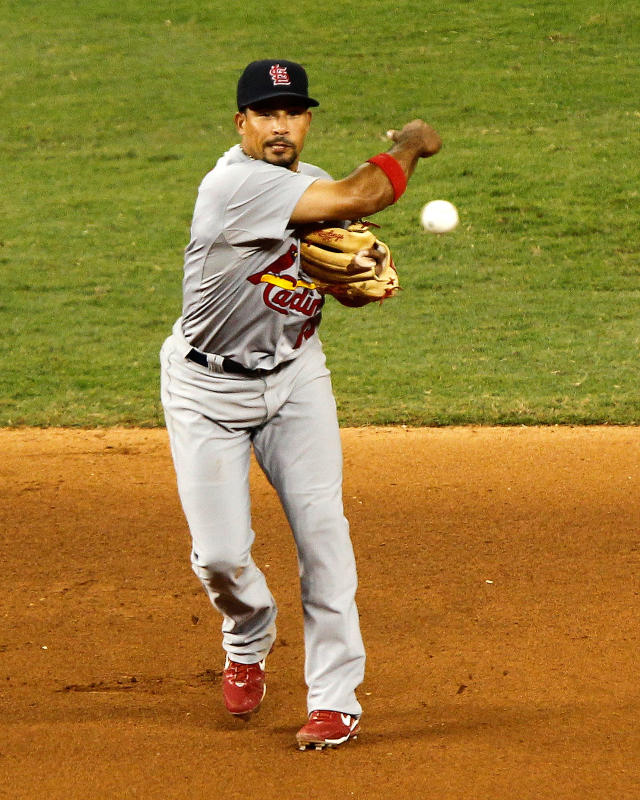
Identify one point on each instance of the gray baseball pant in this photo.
(289, 418)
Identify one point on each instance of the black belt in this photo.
(229, 365)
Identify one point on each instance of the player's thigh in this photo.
(212, 469)
(300, 448)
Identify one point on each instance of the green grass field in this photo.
(527, 313)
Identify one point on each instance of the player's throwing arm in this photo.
(372, 186)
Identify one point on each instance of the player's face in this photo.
(274, 133)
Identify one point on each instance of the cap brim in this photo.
(302, 99)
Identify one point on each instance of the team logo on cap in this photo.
(279, 75)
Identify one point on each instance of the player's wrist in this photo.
(394, 172)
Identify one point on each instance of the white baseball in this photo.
(439, 216)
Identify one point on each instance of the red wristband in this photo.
(392, 169)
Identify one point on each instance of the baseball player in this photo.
(244, 369)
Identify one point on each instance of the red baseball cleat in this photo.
(243, 687)
(327, 729)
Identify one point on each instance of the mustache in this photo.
(280, 140)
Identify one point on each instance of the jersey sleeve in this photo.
(261, 205)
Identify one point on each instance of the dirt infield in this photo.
(499, 597)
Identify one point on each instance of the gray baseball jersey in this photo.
(244, 294)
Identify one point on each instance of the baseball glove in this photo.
(351, 264)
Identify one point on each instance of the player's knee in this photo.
(219, 570)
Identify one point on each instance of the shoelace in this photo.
(239, 673)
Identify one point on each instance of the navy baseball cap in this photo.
(270, 78)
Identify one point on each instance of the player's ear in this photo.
(240, 120)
